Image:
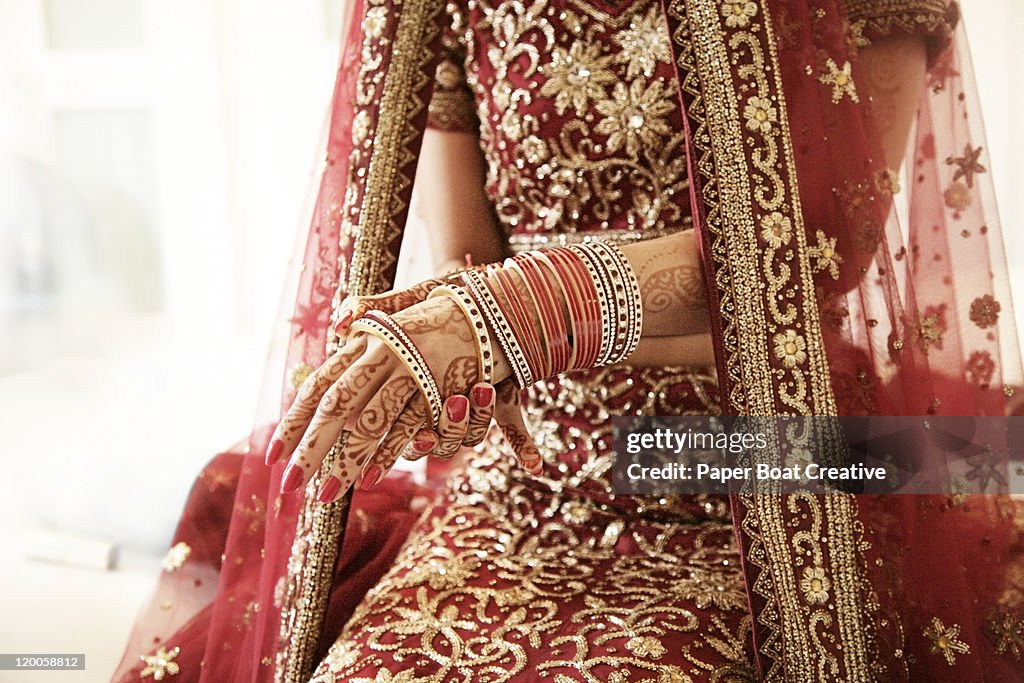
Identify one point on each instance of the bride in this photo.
(687, 208)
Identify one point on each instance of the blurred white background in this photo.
(154, 163)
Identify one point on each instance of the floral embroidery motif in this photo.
(957, 196)
(790, 348)
(776, 229)
(987, 467)
(161, 664)
(643, 44)
(298, 374)
(946, 640)
(841, 80)
(646, 646)
(738, 13)
(985, 311)
(825, 253)
(980, 368)
(635, 117)
(760, 115)
(966, 165)
(932, 326)
(577, 76)
(815, 585)
(176, 556)
(1006, 631)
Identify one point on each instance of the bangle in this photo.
(462, 298)
(550, 309)
(602, 281)
(480, 289)
(627, 292)
(523, 330)
(384, 327)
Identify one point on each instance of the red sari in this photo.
(748, 121)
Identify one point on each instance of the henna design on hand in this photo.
(459, 376)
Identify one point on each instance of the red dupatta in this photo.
(813, 311)
(820, 307)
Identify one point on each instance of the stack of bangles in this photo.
(586, 309)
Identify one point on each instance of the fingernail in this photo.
(424, 444)
(329, 490)
(371, 477)
(532, 462)
(274, 451)
(292, 479)
(457, 407)
(482, 396)
(342, 324)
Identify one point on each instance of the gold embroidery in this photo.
(887, 17)
(176, 556)
(946, 640)
(298, 374)
(396, 69)
(841, 80)
(161, 664)
(831, 641)
(613, 155)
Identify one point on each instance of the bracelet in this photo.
(627, 292)
(484, 355)
(552, 317)
(384, 327)
(582, 297)
(523, 330)
(481, 292)
(606, 302)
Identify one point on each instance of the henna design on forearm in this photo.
(676, 285)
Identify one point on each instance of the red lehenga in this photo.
(748, 122)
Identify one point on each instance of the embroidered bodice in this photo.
(578, 114)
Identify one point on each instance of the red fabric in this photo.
(916, 332)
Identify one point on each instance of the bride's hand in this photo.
(365, 389)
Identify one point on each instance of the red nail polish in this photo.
(293, 478)
(423, 444)
(457, 407)
(329, 490)
(274, 451)
(371, 477)
(482, 396)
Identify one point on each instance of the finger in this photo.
(296, 420)
(509, 417)
(354, 307)
(373, 423)
(406, 425)
(452, 428)
(343, 400)
(423, 443)
(481, 410)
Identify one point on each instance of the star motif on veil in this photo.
(160, 664)
(967, 165)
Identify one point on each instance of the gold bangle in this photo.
(381, 325)
(463, 299)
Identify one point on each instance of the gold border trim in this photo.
(394, 75)
(801, 641)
